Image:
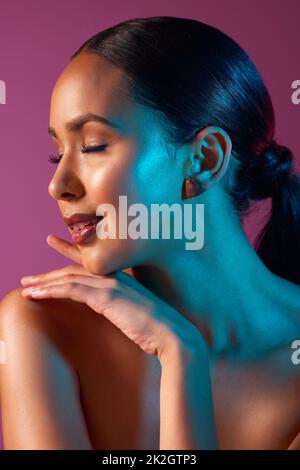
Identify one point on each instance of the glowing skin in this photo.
(248, 316)
(134, 163)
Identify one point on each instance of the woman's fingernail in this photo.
(33, 292)
(27, 280)
(28, 290)
(37, 292)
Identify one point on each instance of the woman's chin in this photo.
(97, 265)
(104, 259)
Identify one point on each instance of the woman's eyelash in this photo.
(84, 149)
(54, 158)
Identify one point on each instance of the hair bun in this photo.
(272, 171)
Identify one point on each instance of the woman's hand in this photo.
(142, 316)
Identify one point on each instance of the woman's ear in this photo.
(210, 154)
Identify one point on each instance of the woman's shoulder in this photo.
(38, 379)
(16, 308)
(68, 326)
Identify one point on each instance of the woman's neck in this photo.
(224, 290)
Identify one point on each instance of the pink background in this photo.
(36, 40)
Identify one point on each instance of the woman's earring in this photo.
(191, 187)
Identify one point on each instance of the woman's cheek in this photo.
(107, 182)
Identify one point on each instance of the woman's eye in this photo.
(84, 149)
(54, 158)
(93, 148)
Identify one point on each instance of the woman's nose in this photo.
(65, 184)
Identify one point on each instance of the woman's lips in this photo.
(82, 232)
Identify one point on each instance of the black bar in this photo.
(135, 458)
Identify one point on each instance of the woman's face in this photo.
(135, 162)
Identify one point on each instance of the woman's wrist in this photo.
(183, 348)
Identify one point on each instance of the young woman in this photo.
(140, 342)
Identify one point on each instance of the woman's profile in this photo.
(139, 343)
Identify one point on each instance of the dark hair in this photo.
(197, 76)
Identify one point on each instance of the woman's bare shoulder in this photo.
(15, 307)
(39, 378)
(68, 325)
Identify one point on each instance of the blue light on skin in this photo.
(223, 288)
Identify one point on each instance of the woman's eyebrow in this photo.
(77, 123)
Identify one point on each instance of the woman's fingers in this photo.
(95, 297)
(72, 290)
(54, 274)
(65, 248)
(92, 281)
(70, 250)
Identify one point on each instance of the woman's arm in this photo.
(186, 403)
(187, 417)
(39, 388)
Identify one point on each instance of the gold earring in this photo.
(198, 188)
